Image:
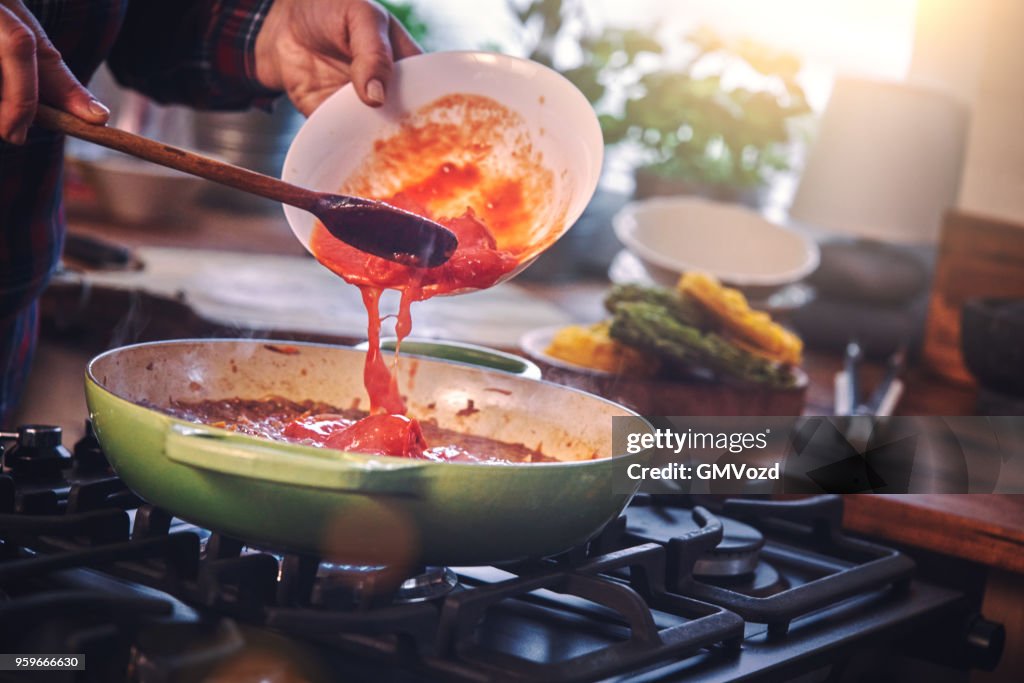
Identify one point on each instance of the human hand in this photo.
(31, 69)
(310, 48)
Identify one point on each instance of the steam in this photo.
(130, 327)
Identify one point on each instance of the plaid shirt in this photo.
(198, 52)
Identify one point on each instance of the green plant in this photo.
(686, 117)
(406, 15)
(697, 128)
(544, 24)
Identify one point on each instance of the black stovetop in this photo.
(748, 589)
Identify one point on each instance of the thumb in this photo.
(371, 54)
(59, 87)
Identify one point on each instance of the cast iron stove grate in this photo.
(811, 561)
(74, 514)
(86, 567)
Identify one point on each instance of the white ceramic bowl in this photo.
(558, 120)
(138, 193)
(673, 235)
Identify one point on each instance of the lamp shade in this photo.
(886, 163)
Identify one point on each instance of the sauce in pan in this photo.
(326, 426)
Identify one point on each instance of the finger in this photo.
(19, 88)
(57, 85)
(403, 44)
(371, 52)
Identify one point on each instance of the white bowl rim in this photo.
(625, 228)
(593, 125)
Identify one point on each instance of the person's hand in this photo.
(310, 48)
(31, 70)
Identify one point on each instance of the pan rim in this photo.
(281, 447)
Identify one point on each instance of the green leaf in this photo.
(407, 17)
(613, 128)
(585, 78)
(551, 10)
(634, 42)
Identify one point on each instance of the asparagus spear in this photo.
(654, 328)
(681, 307)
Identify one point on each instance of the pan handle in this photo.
(243, 456)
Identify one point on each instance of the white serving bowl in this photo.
(558, 120)
(674, 235)
(138, 193)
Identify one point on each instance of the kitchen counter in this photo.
(200, 227)
(986, 529)
(984, 533)
(984, 536)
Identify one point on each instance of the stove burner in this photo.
(38, 453)
(763, 581)
(434, 583)
(735, 556)
(346, 586)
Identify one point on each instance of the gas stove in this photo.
(677, 589)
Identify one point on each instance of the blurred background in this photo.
(855, 168)
(881, 136)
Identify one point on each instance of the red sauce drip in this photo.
(380, 383)
(492, 222)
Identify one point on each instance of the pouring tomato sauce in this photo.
(493, 228)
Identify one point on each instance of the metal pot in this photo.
(253, 139)
(357, 507)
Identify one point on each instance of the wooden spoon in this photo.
(371, 226)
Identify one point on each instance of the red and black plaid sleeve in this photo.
(196, 52)
(31, 220)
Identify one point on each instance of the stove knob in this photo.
(43, 437)
(985, 642)
(38, 452)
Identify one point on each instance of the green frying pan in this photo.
(349, 506)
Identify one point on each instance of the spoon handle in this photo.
(178, 159)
